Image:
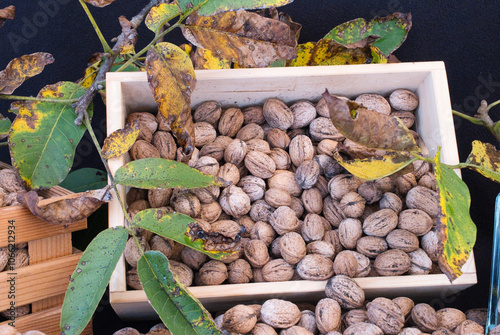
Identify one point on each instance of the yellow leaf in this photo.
(159, 15)
(21, 68)
(204, 59)
(120, 141)
(486, 159)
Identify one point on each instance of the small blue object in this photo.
(493, 307)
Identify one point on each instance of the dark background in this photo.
(462, 34)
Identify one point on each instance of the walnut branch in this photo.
(128, 35)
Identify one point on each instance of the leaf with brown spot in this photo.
(69, 209)
(369, 128)
(204, 59)
(21, 68)
(7, 13)
(486, 160)
(130, 36)
(120, 141)
(99, 3)
(159, 16)
(211, 7)
(5, 124)
(172, 79)
(243, 37)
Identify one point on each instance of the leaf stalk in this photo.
(25, 98)
(105, 44)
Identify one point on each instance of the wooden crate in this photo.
(44, 281)
(129, 92)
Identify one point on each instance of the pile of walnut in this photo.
(304, 216)
(345, 311)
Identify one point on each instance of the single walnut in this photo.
(159, 197)
(254, 187)
(313, 228)
(301, 149)
(370, 192)
(164, 245)
(142, 149)
(322, 128)
(204, 133)
(133, 279)
(406, 305)
(312, 200)
(191, 161)
(322, 248)
(165, 143)
(450, 318)
(328, 315)
(234, 201)
(263, 231)
(206, 195)
(421, 264)
(235, 152)
(258, 145)
(230, 122)
(431, 244)
(214, 149)
(256, 253)
(292, 247)
(354, 316)
(332, 237)
(420, 197)
(187, 204)
(259, 164)
(327, 147)
(364, 264)
(371, 246)
(350, 230)
(345, 291)
(278, 138)
(250, 131)
(212, 272)
(277, 114)
(280, 313)
(393, 262)
(193, 258)
(131, 252)
(407, 118)
(277, 270)
(284, 220)
(332, 211)
(405, 183)
(425, 317)
(308, 320)
(428, 180)
(285, 180)
(342, 184)
(352, 205)
(147, 124)
(345, 264)
(297, 206)
(261, 211)
(263, 329)
(402, 239)
(363, 328)
(253, 114)
(386, 314)
(374, 102)
(469, 327)
(478, 315)
(210, 212)
(392, 201)
(240, 272)
(280, 158)
(207, 165)
(403, 100)
(277, 197)
(307, 174)
(208, 111)
(239, 319)
(304, 113)
(315, 267)
(380, 223)
(229, 173)
(416, 221)
(227, 228)
(183, 272)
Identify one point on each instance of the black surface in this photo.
(462, 34)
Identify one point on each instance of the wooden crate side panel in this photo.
(46, 321)
(38, 281)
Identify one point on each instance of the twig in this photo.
(85, 100)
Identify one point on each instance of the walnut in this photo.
(253, 186)
(402, 239)
(212, 272)
(386, 184)
(147, 122)
(135, 194)
(370, 192)
(250, 131)
(277, 197)
(431, 244)
(183, 272)
(240, 272)
(374, 102)
(228, 228)
(313, 228)
(207, 165)
(18, 312)
(405, 183)
(328, 314)
(206, 195)
(342, 184)
(371, 246)
(345, 291)
(322, 248)
(425, 317)
(285, 180)
(301, 149)
(180, 157)
(450, 318)
(132, 252)
(403, 100)
(261, 211)
(364, 263)
(308, 321)
(297, 206)
(259, 164)
(256, 253)
(133, 279)
(208, 111)
(257, 275)
(350, 230)
(322, 128)
(292, 247)
(164, 245)
(327, 147)
(193, 258)
(284, 220)
(421, 264)
(420, 197)
(263, 329)
(406, 305)
(363, 329)
(380, 223)
(315, 267)
(278, 139)
(280, 313)
(478, 315)
(416, 221)
(187, 204)
(332, 211)
(386, 314)
(332, 237)
(234, 201)
(392, 201)
(312, 200)
(214, 149)
(127, 330)
(230, 122)
(141, 149)
(280, 158)
(307, 174)
(210, 212)
(204, 133)
(235, 152)
(239, 319)
(263, 231)
(345, 264)
(277, 114)
(159, 197)
(393, 262)
(469, 327)
(354, 316)
(258, 145)
(428, 180)
(277, 270)
(229, 173)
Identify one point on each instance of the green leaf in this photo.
(486, 160)
(85, 179)
(44, 136)
(88, 282)
(375, 167)
(496, 129)
(456, 230)
(5, 125)
(181, 312)
(211, 7)
(159, 15)
(390, 32)
(183, 229)
(162, 173)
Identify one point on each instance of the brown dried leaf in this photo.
(21, 68)
(99, 3)
(130, 35)
(67, 210)
(246, 38)
(7, 13)
(369, 128)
